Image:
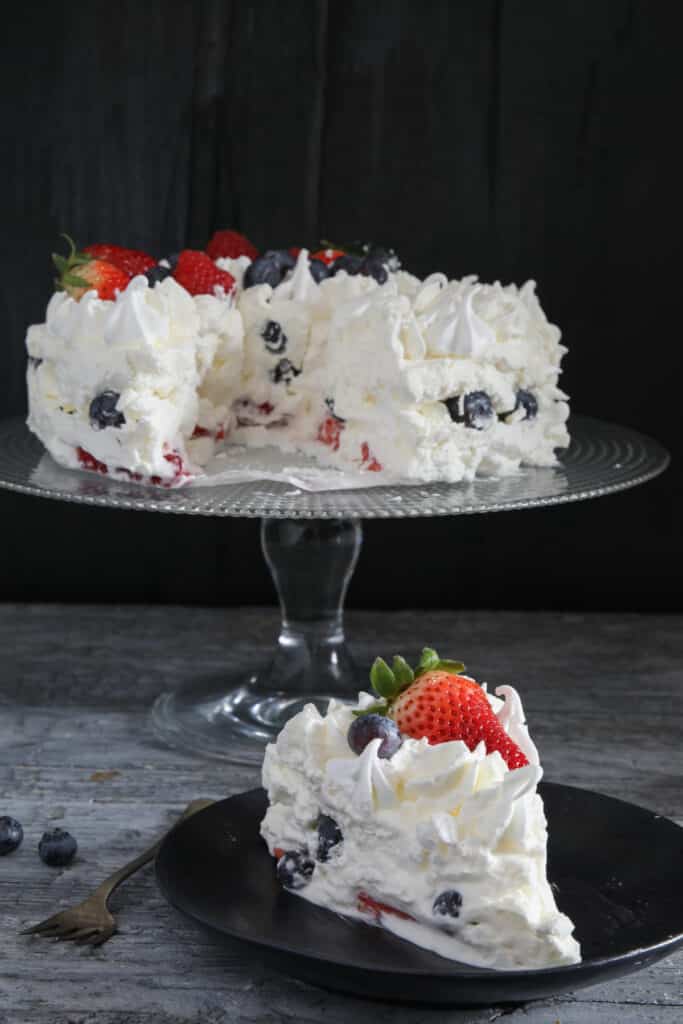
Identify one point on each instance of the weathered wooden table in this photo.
(603, 695)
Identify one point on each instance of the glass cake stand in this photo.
(311, 542)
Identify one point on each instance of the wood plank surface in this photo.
(603, 696)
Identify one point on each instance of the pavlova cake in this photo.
(145, 369)
(418, 811)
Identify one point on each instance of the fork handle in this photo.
(107, 887)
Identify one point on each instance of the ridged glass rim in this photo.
(603, 458)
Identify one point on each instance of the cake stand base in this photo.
(311, 562)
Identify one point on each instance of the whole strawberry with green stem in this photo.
(437, 702)
(80, 272)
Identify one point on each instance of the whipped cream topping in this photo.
(269, 366)
(429, 820)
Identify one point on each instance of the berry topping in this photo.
(132, 261)
(89, 461)
(274, 337)
(11, 835)
(328, 256)
(368, 727)
(278, 852)
(329, 432)
(386, 256)
(103, 411)
(350, 263)
(372, 266)
(57, 848)
(436, 702)
(230, 245)
(368, 460)
(367, 905)
(329, 835)
(80, 273)
(199, 275)
(294, 869)
(266, 269)
(527, 401)
(474, 410)
(284, 372)
(283, 258)
(158, 273)
(294, 251)
(447, 903)
(319, 270)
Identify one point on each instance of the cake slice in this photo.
(418, 811)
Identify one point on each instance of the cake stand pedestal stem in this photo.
(312, 561)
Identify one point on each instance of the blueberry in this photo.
(351, 264)
(265, 269)
(447, 903)
(294, 869)
(478, 410)
(319, 270)
(373, 267)
(371, 727)
(282, 257)
(386, 256)
(57, 848)
(103, 411)
(527, 401)
(284, 372)
(11, 835)
(34, 362)
(274, 337)
(157, 274)
(329, 835)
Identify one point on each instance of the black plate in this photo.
(617, 868)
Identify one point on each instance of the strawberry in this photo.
(367, 905)
(278, 852)
(294, 251)
(373, 466)
(436, 702)
(230, 244)
(133, 261)
(329, 432)
(328, 256)
(80, 273)
(89, 461)
(199, 275)
(443, 706)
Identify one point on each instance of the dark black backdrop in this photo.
(512, 139)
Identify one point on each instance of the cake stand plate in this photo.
(311, 542)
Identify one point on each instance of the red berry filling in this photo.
(373, 466)
(367, 905)
(89, 461)
(329, 432)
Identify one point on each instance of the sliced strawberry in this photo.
(230, 244)
(89, 461)
(278, 852)
(368, 460)
(329, 432)
(328, 256)
(199, 275)
(367, 905)
(133, 261)
(443, 706)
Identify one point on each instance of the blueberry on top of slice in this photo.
(11, 835)
(329, 835)
(103, 411)
(348, 262)
(475, 410)
(366, 728)
(319, 270)
(157, 274)
(57, 848)
(274, 337)
(372, 266)
(266, 269)
(527, 401)
(294, 869)
(447, 903)
(282, 257)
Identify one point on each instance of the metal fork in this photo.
(90, 923)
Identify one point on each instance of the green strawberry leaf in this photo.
(383, 679)
(403, 673)
(373, 709)
(429, 660)
(451, 666)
